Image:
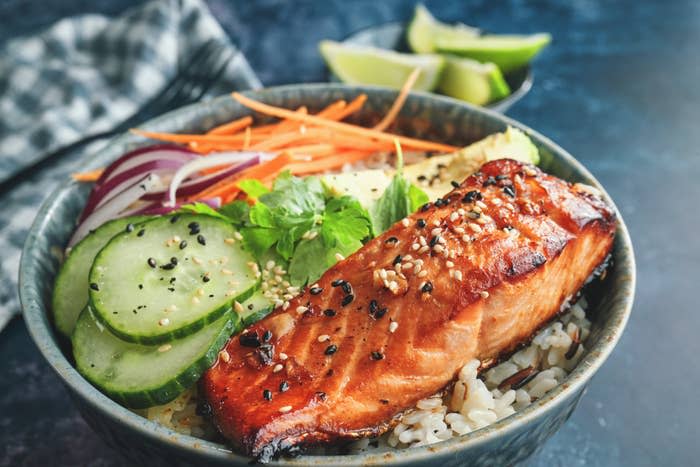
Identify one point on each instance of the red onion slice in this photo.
(146, 154)
(241, 159)
(114, 207)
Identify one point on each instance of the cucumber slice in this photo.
(139, 376)
(170, 278)
(254, 309)
(70, 293)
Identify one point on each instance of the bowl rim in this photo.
(44, 338)
(501, 105)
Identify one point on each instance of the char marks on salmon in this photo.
(471, 275)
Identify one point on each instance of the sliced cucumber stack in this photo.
(140, 376)
(169, 278)
(70, 293)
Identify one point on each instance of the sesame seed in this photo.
(238, 307)
(164, 348)
(450, 264)
(347, 300)
(324, 338)
(329, 312)
(423, 273)
(195, 300)
(415, 246)
(393, 326)
(407, 266)
(420, 223)
(267, 395)
(436, 231)
(484, 294)
(284, 386)
(405, 222)
(315, 290)
(339, 257)
(475, 228)
(238, 236)
(229, 241)
(224, 356)
(481, 204)
(302, 309)
(459, 230)
(331, 349)
(196, 260)
(454, 216)
(163, 322)
(439, 249)
(423, 249)
(151, 262)
(458, 275)
(466, 238)
(427, 287)
(375, 355)
(285, 409)
(283, 356)
(277, 368)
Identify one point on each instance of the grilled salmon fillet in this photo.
(472, 275)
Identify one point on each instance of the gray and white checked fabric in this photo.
(83, 76)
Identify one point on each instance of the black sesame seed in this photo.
(347, 300)
(331, 349)
(439, 203)
(422, 178)
(140, 286)
(201, 240)
(172, 289)
(489, 181)
(250, 339)
(183, 244)
(141, 232)
(421, 223)
(321, 395)
(347, 287)
(434, 241)
(129, 228)
(384, 401)
(267, 335)
(284, 386)
(427, 287)
(173, 260)
(337, 282)
(315, 290)
(509, 191)
(380, 313)
(151, 262)
(454, 184)
(330, 312)
(377, 355)
(397, 260)
(94, 286)
(193, 225)
(373, 306)
(425, 207)
(472, 196)
(501, 177)
(250, 306)
(168, 267)
(174, 218)
(267, 395)
(205, 278)
(391, 240)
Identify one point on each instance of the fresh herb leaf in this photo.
(201, 208)
(344, 221)
(261, 215)
(259, 239)
(295, 195)
(237, 212)
(253, 188)
(417, 198)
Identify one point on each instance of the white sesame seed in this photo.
(423, 249)
(382, 273)
(422, 240)
(224, 356)
(171, 308)
(226, 272)
(195, 300)
(269, 265)
(481, 204)
(442, 240)
(423, 273)
(302, 309)
(285, 409)
(407, 258)
(458, 275)
(436, 231)
(229, 241)
(436, 222)
(237, 306)
(283, 356)
(475, 228)
(466, 238)
(393, 326)
(454, 216)
(278, 302)
(196, 260)
(482, 220)
(438, 248)
(407, 266)
(237, 236)
(313, 234)
(164, 348)
(461, 211)
(459, 230)
(404, 222)
(163, 322)
(415, 246)
(339, 257)
(230, 293)
(484, 294)
(496, 201)
(285, 305)
(323, 337)
(451, 272)
(450, 264)
(420, 286)
(277, 368)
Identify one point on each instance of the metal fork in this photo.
(194, 78)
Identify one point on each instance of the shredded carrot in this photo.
(398, 103)
(284, 139)
(352, 107)
(279, 112)
(91, 176)
(326, 163)
(232, 126)
(246, 140)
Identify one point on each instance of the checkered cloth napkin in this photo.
(82, 76)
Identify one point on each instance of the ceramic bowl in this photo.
(425, 115)
(392, 36)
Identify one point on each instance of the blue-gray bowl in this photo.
(443, 119)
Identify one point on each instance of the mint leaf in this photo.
(253, 188)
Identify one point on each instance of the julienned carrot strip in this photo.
(246, 140)
(284, 139)
(91, 176)
(313, 150)
(398, 103)
(352, 107)
(333, 110)
(326, 163)
(189, 138)
(232, 127)
(278, 112)
(282, 125)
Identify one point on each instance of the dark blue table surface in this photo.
(619, 88)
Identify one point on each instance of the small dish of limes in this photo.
(457, 60)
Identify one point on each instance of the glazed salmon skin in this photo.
(472, 275)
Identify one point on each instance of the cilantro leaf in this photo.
(237, 212)
(253, 188)
(201, 208)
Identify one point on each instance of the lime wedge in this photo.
(472, 81)
(356, 64)
(424, 30)
(507, 51)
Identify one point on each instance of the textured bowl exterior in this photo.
(146, 443)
